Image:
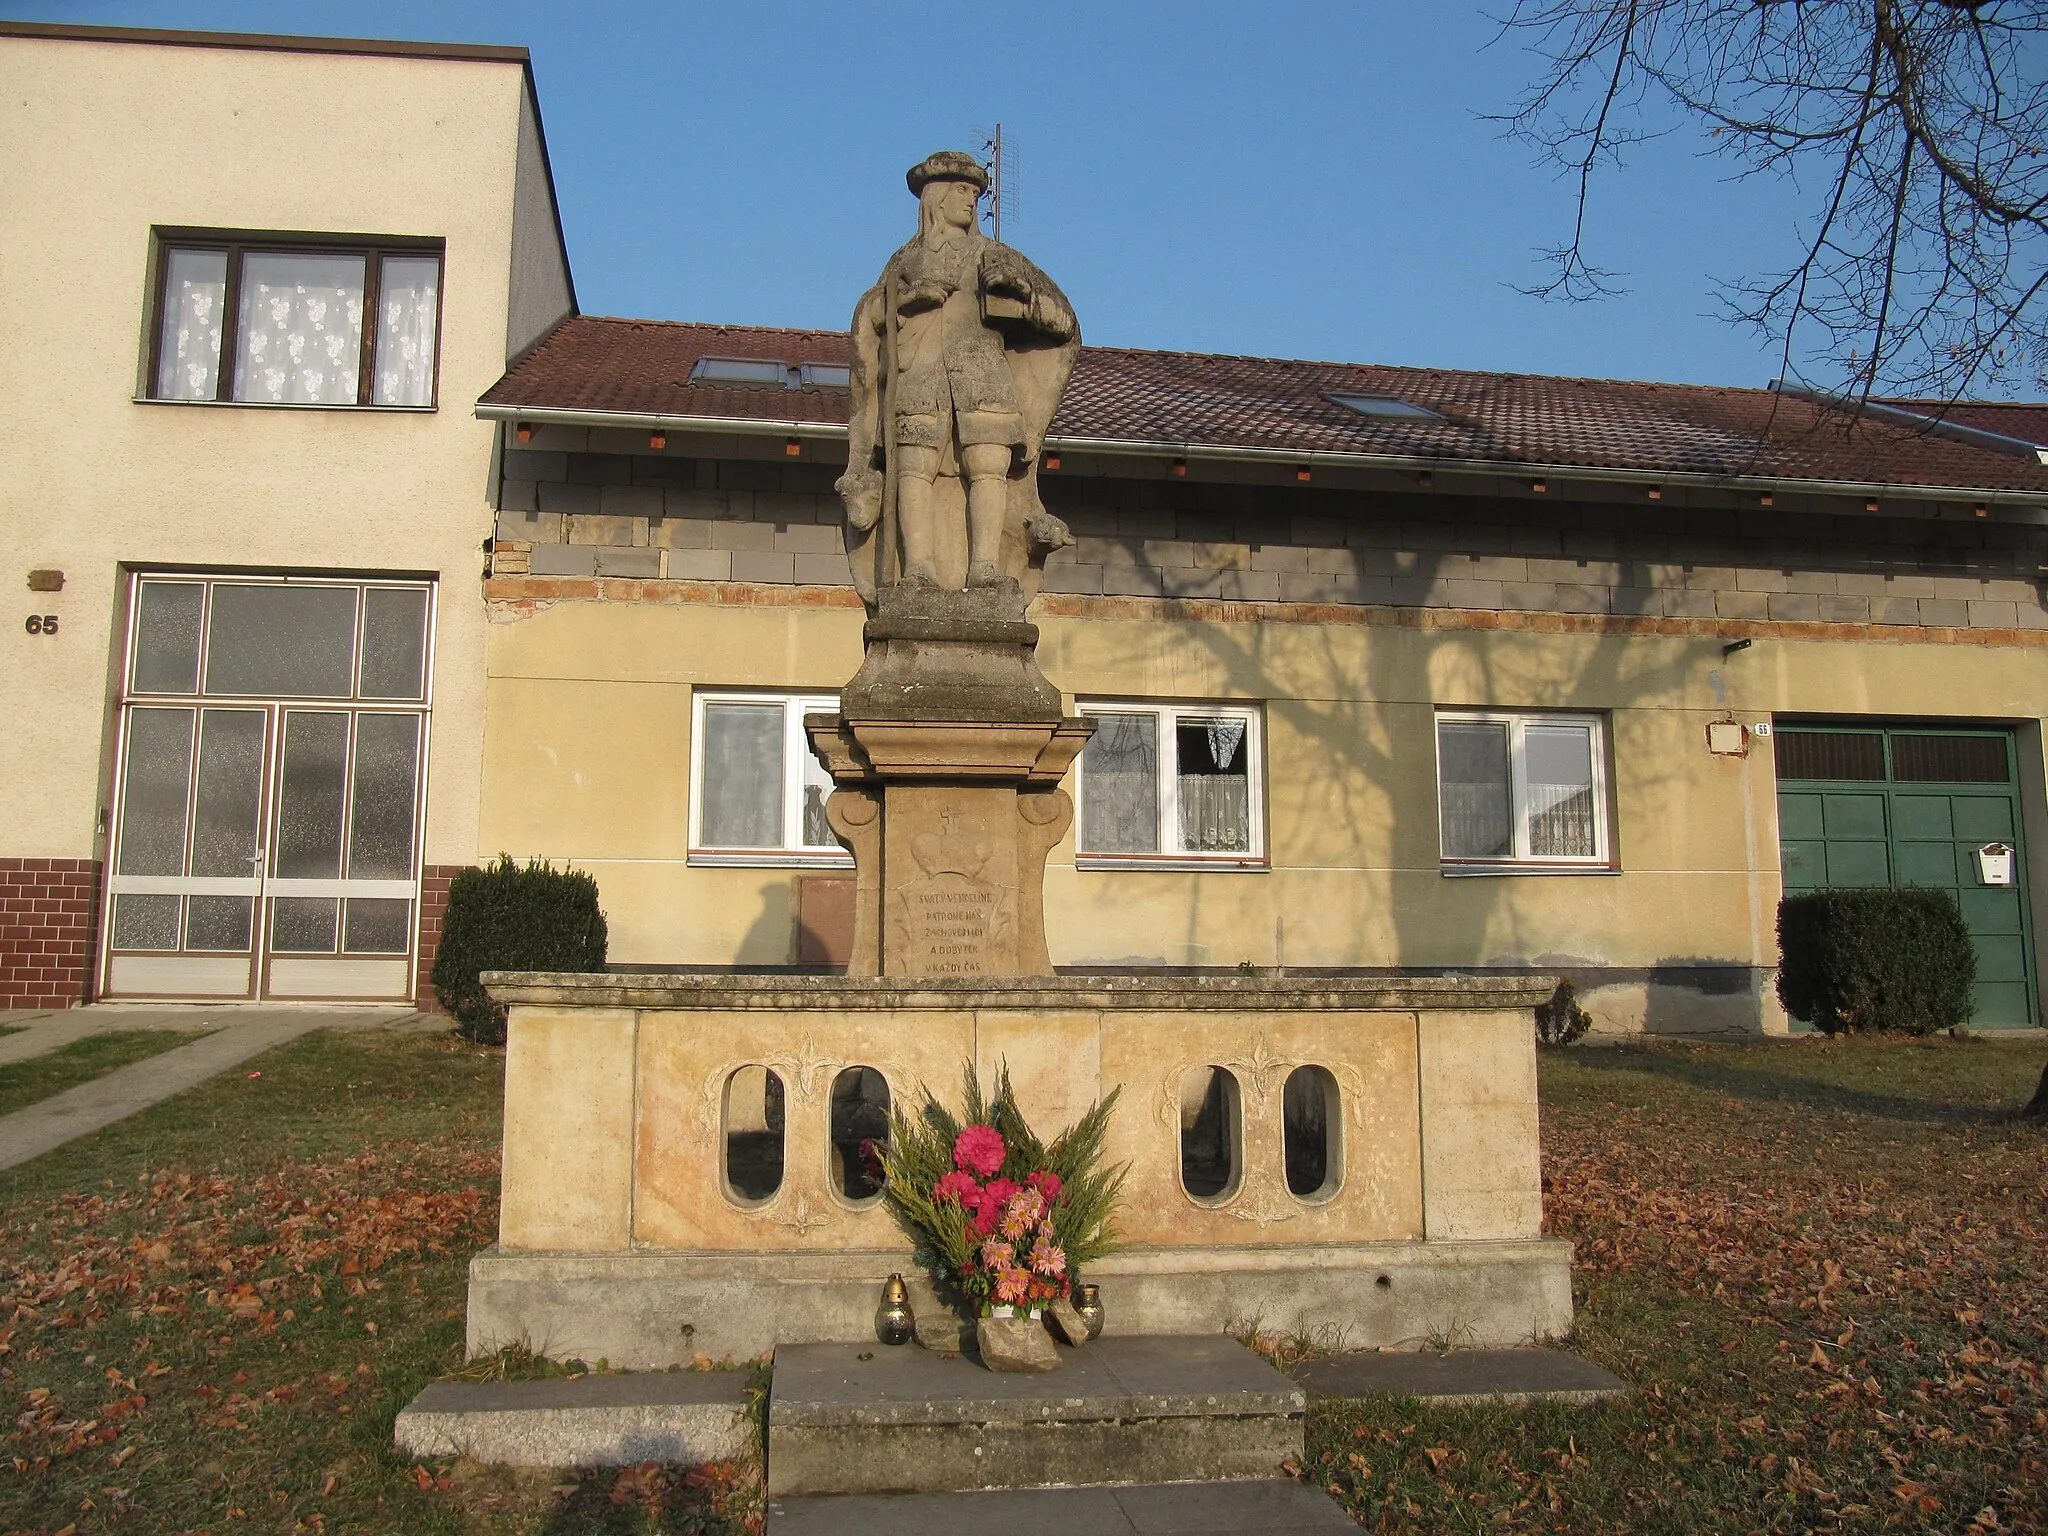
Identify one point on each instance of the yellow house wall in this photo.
(104, 140)
(587, 758)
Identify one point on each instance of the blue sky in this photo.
(1301, 180)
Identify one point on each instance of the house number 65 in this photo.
(42, 624)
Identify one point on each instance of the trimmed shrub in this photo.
(1892, 959)
(505, 918)
(1561, 1020)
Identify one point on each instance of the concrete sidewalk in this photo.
(236, 1035)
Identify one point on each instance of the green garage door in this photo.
(1862, 805)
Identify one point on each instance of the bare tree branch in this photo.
(1926, 121)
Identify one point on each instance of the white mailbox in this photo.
(1994, 864)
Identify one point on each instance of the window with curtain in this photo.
(757, 791)
(291, 322)
(1169, 782)
(1518, 789)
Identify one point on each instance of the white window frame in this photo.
(796, 751)
(1522, 861)
(1170, 715)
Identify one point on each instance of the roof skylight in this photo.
(740, 370)
(772, 372)
(1389, 407)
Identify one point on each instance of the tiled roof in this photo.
(641, 369)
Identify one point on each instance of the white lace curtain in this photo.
(1120, 791)
(1215, 801)
(742, 787)
(408, 303)
(1472, 761)
(301, 328)
(188, 351)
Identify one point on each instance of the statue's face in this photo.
(954, 201)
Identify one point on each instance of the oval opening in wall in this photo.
(1312, 1127)
(860, 1133)
(753, 1127)
(1211, 1135)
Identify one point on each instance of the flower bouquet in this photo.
(999, 1216)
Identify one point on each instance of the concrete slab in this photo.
(52, 1030)
(42, 1127)
(684, 1417)
(1269, 1508)
(846, 1418)
(42, 1036)
(1463, 1376)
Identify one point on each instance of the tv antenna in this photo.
(1000, 158)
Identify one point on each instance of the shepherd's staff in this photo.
(888, 432)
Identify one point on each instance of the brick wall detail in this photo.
(434, 881)
(49, 920)
(616, 515)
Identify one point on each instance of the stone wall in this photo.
(659, 516)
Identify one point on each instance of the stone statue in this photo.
(960, 355)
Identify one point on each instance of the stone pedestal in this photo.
(622, 1236)
(948, 752)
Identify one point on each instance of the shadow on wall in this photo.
(771, 938)
(1423, 668)
(1688, 995)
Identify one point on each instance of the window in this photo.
(1172, 783)
(1917, 757)
(283, 322)
(1521, 790)
(1388, 407)
(757, 792)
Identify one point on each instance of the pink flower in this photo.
(1048, 1184)
(956, 1189)
(979, 1149)
(1022, 1213)
(1048, 1258)
(995, 1196)
(1012, 1285)
(998, 1256)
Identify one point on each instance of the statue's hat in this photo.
(946, 165)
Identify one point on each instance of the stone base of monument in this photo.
(588, 1421)
(681, 1175)
(846, 1419)
(647, 1311)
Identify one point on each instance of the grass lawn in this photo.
(212, 1312)
(41, 1077)
(1821, 1263)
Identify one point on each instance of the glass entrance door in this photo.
(270, 789)
(341, 884)
(188, 876)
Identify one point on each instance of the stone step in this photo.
(611, 1420)
(1462, 1376)
(868, 1419)
(1269, 1507)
